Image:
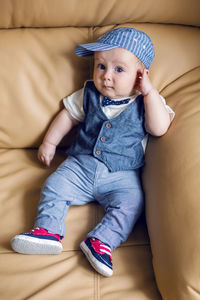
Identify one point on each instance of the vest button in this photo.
(102, 139)
(108, 125)
(98, 152)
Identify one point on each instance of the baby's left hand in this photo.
(143, 83)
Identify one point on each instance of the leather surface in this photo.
(172, 216)
(47, 13)
(39, 68)
(44, 277)
(43, 69)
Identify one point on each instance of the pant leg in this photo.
(70, 184)
(122, 197)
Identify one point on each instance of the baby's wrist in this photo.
(48, 143)
(151, 91)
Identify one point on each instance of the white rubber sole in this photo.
(97, 265)
(31, 245)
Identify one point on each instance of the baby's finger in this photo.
(43, 159)
(40, 157)
(145, 72)
(48, 161)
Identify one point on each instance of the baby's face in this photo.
(115, 72)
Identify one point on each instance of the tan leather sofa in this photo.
(160, 260)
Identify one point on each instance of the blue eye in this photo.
(119, 69)
(101, 67)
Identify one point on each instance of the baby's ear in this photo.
(139, 73)
(138, 78)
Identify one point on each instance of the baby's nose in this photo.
(107, 75)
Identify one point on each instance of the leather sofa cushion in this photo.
(41, 69)
(47, 13)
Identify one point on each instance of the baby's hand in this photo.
(46, 153)
(143, 83)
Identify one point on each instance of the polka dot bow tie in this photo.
(107, 101)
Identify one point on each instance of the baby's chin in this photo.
(110, 93)
(115, 97)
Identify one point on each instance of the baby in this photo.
(115, 111)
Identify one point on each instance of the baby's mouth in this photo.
(107, 87)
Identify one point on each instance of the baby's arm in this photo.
(157, 118)
(60, 126)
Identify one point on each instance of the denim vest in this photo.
(116, 142)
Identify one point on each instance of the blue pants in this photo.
(83, 179)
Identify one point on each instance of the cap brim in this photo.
(89, 49)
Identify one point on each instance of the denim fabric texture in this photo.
(115, 142)
(83, 179)
(131, 39)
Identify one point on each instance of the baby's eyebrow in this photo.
(98, 58)
(121, 64)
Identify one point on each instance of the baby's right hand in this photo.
(46, 153)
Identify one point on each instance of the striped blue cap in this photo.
(131, 39)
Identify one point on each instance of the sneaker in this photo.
(99, 256)
(37, 241)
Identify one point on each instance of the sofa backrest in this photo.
(39, 67)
